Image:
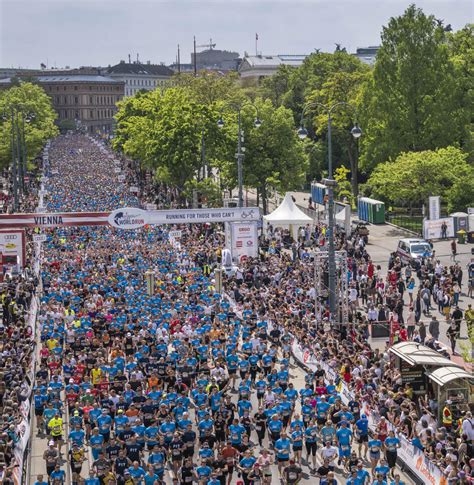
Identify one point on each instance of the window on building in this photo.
(91, 114)
(77, 115)
(91, 100)
(76, 99)
(75, 88)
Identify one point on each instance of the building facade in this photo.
(89, 101)
(216, 60)
(137, 76)
(367, 54)
(259, 67)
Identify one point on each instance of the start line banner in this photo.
(130, 217)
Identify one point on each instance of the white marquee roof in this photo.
(288, 213)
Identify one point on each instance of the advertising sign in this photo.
(244, 240)
(12, 247)
(175, 234)
(117, 169)
(180, 216)
(134, 190)
(121, 178)
(152, 217)
(128, 218)
(432, 229)
(37, 238)
(434, 203)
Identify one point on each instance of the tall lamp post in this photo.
(330, 184)
(18, 149)
(239, 155)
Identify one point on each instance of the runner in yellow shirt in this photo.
(55, 427)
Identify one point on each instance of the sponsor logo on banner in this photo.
(40, 237)
(433, 229)
(128, 218)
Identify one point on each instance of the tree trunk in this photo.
(258, 197)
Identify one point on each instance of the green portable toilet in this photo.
(378, 212)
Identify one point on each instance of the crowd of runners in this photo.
(189, 385)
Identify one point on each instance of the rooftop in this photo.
(275, 60)
(71, 79)
(138, 68)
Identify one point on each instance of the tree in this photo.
(30, 99)
(412, 101)
(274, 158)
(461, 51)
(164, 131)
(415, 176)
(276, 86)
(341, 87)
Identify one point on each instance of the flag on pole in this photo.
(256, 36)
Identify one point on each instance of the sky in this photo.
(76, 33)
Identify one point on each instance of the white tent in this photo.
(288, 214)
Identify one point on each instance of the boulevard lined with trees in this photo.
(414, 107)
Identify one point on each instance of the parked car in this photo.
(409, 250)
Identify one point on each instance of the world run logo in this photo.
(128, 218)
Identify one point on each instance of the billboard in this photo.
(432, 229)
(12, 247)
(244, 240)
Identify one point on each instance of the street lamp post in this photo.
(18, 150)
(239, 155)
(330, 184)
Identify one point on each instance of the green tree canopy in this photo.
(164, 131)
(412, 103)
(275, 157)
(29, 99)
(415, 176)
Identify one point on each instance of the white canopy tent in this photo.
(288, 214)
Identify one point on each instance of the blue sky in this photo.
(101, 32)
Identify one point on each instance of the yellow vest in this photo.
(447, 416)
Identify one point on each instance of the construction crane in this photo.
(209, 46)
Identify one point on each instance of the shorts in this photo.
(345, 453)
(391, 458)
(57, 438)
(311, 448)
(297, 448)
(363, 438)
(282, 460)
(374, 455)
(38, 412)
(232, 372)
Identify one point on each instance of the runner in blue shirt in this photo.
(375, 445)
(297, 441)
(311, 436)
(344, 440)
(391, 445)
(236, 430)
(282, 448)
(362, 434)
(275, 426)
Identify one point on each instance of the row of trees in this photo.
(166, 131)
(31, 101)
(416, 100)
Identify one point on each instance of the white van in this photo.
(409, 250)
